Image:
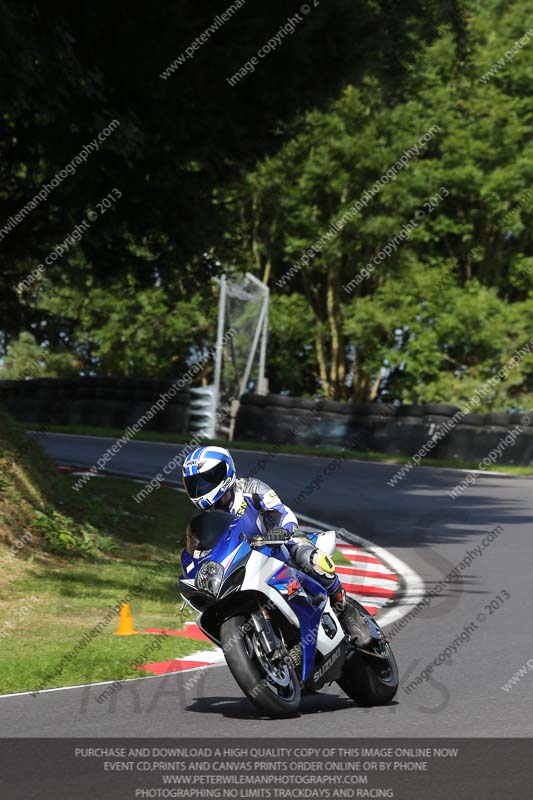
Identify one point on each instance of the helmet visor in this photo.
(204, 482)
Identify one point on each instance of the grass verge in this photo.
(50, 602)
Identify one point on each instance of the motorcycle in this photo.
(275, 624)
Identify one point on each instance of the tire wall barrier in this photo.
(98, 402)
(381, 428)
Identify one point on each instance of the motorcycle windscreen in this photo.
(205, 530)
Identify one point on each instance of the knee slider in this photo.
(323, 564)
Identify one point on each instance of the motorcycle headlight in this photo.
(209, 577)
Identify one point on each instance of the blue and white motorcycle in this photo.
(275, 624)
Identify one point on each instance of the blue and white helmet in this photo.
(208, 473)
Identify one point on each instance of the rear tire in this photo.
(370, 680)
(237, 637)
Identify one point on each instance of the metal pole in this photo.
(255, 280)
(220, 336)
(261, 384)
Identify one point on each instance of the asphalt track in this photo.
(416, 521)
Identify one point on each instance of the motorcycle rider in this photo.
(211, 483)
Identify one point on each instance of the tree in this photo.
(449, 302)
(185, 137)
(128, 329)
(25, 359)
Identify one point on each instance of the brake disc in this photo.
(276, 673)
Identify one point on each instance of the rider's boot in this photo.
(351, 620)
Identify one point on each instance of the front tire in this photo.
(273, 688)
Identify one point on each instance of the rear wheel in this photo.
(370, 676)
(272, 686)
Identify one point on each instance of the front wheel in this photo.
(272, 686)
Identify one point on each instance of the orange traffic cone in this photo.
(125, 622)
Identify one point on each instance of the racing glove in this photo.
(276, 534)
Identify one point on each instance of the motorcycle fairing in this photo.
(268, 573)
(309, 616)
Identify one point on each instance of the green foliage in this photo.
(185, 135)
(128, 329)
(25, 358)
(453, 302)
(291, 327)
(61, 536)
(434, 319)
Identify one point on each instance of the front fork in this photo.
(270, 642)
